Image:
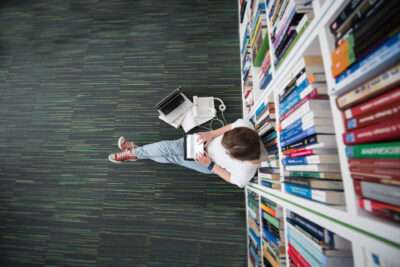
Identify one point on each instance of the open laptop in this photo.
(174, 105)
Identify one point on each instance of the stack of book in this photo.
(273, 237)
(258, 33)
(247, 77)
(307, 140)
(254, 228)
(268, 173)
(371, 115)
(288, 20)
(365, 32)
(309, 244)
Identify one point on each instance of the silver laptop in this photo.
(174, 105)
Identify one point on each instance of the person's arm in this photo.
(205, 160)
(207, 137)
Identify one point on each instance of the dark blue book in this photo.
(265, 80)
(270, 137)
(303, 134)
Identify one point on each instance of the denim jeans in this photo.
(169, 152)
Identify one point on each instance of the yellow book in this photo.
(255, 32)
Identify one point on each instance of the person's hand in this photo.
(205, 137)
(202, 159)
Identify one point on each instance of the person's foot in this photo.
(125, 145)
(122, 156)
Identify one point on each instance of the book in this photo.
(308, 152)
(314, 168)
(320, 175)
(312, 159)
(390, 150)
(308, 129)
(382, 57)
(270, 164)
(346, 14)
(376, 172)
(314, 183)
(389, 211)
(311, 96)
(376, 179)
(299, 78)
(380, 101)
(262, 51)
(326, 140)
(271, 185)
(382, 114)
(375, 163)
(377, 85)
(324, 196)
(275, 176)
(380, 192)
(304, 134)
(298, 258)
(385, 131)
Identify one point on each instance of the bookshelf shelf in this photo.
(367, 233)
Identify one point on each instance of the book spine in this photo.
(285, 27)
(294, 95)
(312, 228)
(380, 192)
(373, 104)
(271, 219)
(300, 257)
(260, 108)
(312, 95)
(389, 150)
(300, 191)
(268, 210)
(304, 134)
(306, 141)
(377, 172)
(388, 50)
(376, 163)
(386, 131)
(379, 115)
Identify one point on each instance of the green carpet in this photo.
(74, 76)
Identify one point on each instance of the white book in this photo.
(316, 106)
(310, 119)
(314, 168)
(320, 159)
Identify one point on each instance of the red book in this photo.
(247, 93)
(294, 258)
(377, 102)
(385, 131)
(393, 182)
(383, 173)
(301, 259)
(381, 114)
(312, 95)
(252, 258)
(376, 163)
(389, 211)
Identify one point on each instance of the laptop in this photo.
(174, 105)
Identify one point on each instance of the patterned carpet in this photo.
(74, 76)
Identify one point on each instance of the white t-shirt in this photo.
(241, 171)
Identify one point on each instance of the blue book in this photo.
(255, 256)
(265, 80)
(255, 237)
(270, 237)
(303, 134)
(295, 161)
(293, 98)
(299, 191)
(314, 229)
(270, 137)
(301, 248)
(286, 27)
(245, 74)
(388, 52)
(294, 129)
(260, 108)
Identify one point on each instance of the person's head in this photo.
(242, 143)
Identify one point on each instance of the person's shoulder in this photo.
(242, 123)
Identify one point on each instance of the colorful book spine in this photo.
(378, 102)
(385, 131)
(388, 52)
(312, 159)
(300, 259)
(375, 163)
(380, 192)
(382, 114)
(310, 131)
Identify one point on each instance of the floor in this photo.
(74, 76)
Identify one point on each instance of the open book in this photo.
(192, 147)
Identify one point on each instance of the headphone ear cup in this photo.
(222, 108)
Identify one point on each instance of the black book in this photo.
(346, 13)
(309, 140)
(242, 10)
(291, 86)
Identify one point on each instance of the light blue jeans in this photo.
(169, 152)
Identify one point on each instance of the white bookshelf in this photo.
(362, 229)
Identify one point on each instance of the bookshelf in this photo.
(365, 231)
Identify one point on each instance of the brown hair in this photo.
(242, 143)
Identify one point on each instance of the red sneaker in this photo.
(124, 144)
(122, 156)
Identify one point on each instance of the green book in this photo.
(263, 50)
(320, 175)
(272, 220)
(269, 203)
(387, 150)
(253, 201)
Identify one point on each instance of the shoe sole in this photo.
(116, 161)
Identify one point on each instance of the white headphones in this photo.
(221, 107)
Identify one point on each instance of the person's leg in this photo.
(169, 152)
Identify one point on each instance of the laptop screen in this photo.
(172, 104)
